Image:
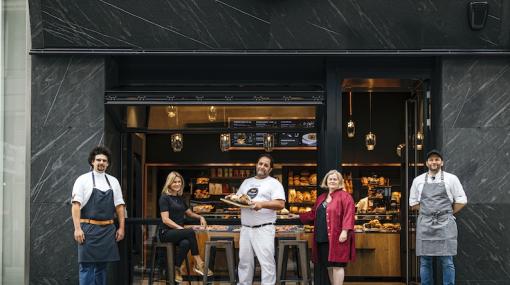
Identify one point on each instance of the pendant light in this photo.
(211, 113)
(171, 111)
(370, 139)
(177, 142)
(225, 142)
(400, 148)
(268, 142)
(351, 128)
(419, 138)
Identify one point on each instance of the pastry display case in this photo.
(301, 187)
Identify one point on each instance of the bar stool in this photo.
(170, 254)
(295, 252)
(217, 243)
(304, 261)
(213, 251)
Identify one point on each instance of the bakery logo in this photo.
(253, 192)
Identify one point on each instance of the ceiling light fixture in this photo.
(224, 142)
(351, 128)
(177, 142)
(370, 138)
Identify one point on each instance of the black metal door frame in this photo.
(330, 148)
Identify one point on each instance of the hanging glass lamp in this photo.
(224, 142)
(351, 128)
(268, 142)
(177, 142)
(370, 141)
(370, 138)
(211, 113)
(171, 111)
(419, 140)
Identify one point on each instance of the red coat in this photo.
(339, 215)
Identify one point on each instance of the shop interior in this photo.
(216, 146)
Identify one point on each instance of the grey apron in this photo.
(100, 244)
(436, 229)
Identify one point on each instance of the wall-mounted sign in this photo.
(301, 132)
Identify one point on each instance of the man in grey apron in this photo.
(437, 195)
(97, 196)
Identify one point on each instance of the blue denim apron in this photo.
(100, 244)
(436, 229)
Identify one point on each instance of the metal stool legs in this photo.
(228, 245)
(304, 261)
(170, 253)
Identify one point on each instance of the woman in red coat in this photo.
(333, 218)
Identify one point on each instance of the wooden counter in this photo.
(377, 254)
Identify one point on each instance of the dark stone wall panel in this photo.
(67, 120)
(478, 92)
(36, 23)
(484, 247)
(475, 131)
(53, 252)
(267, 25)
(481, 160)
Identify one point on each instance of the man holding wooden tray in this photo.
(258, 231)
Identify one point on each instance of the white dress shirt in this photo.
(82, 189)
(454, 189)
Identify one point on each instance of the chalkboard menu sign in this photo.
(305, 137)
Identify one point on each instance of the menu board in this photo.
(284, 139)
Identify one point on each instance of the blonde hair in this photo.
(324, 183)
(169, 180)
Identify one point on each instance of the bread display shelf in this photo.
(374, 216)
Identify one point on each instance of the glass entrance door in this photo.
(416, 128)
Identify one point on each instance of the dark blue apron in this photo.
(100, 244)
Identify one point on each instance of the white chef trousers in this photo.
(257, 242)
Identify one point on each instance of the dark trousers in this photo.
(184, 240)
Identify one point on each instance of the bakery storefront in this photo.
(374, 130)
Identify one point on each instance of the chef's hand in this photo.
(79, 236)
(343, 236)
(203, 222)
(257, 206)
(119, 235)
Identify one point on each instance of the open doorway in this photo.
(385, 133)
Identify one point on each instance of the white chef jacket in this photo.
(453, 187)
(82, 189)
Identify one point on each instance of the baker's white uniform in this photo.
(258, 230)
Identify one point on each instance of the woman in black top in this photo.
(173, 209)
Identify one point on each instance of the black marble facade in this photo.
(68, 112)
(205, 25)
(475, 127)
(67, 121)
(68, 118)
